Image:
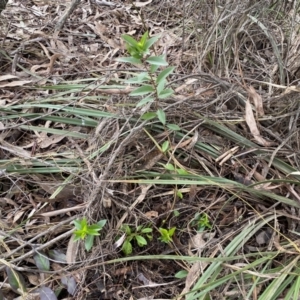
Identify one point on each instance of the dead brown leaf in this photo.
(50, 140)
(196, 242)
(15, 83)
(7, 77)
(257, 100)
(250, 120)
(17, 216)
(63, 211)
(142, 4)
(151, 214)
(263, 237)
(122, 271)
(192, 192)
(72, 250)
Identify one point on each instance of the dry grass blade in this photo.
(274, 47)
(249, 117)
(257, 99)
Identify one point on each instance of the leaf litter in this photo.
(47, 181)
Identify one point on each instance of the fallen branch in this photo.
(66, 15)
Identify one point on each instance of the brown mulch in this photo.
(218, 56)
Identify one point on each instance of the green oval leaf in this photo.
(127, 247)
(165, 93)
(101, 223)
(42, 261)
(164, 74)
(173, 127)
(143, 40)
(88, 244)
(179, 195)
(172, 231)
(126, 229)
(153, 68)
(176, 213)
(139, 78)
(145, 89)
(146, 230)
(161, 116)
(93, 231)
(151, 41)
(130, 40)
(182, 172)
(145, 101)
(141, 241)
(169, 167)
(181, 274)
(148, 116)
(161, 86)
(157, 60)
(165, 146)
(15, 279)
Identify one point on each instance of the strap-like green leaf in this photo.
(165, 93)
(157, 60)
(164, 74)
(130, 40)
(143, 90)
(151, 41)
(161, 116)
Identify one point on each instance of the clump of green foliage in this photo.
(166, 234)
(152, 82)
(139, 235)
(87, 232)
(201, 222)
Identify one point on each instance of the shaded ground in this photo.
(72, 144)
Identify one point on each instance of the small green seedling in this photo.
(139, 235)
(173, 169)
(151, 82)
(165, 146)
(166, 235)
(181, 274)
(87, 232)
(176, 213)
(201, 221)
(179, 194)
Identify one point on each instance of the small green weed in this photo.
(201, 222)
(166, 234)
(87, 232)
(152, 85)
(139, 235)
(174, 169)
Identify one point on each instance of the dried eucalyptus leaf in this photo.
(47, 294)
(70, 283)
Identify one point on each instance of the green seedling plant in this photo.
(175, 170)
(140, 236)
(152, 82)
(87, 232)
(201, 222)
(170, 167)
(166, 234)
